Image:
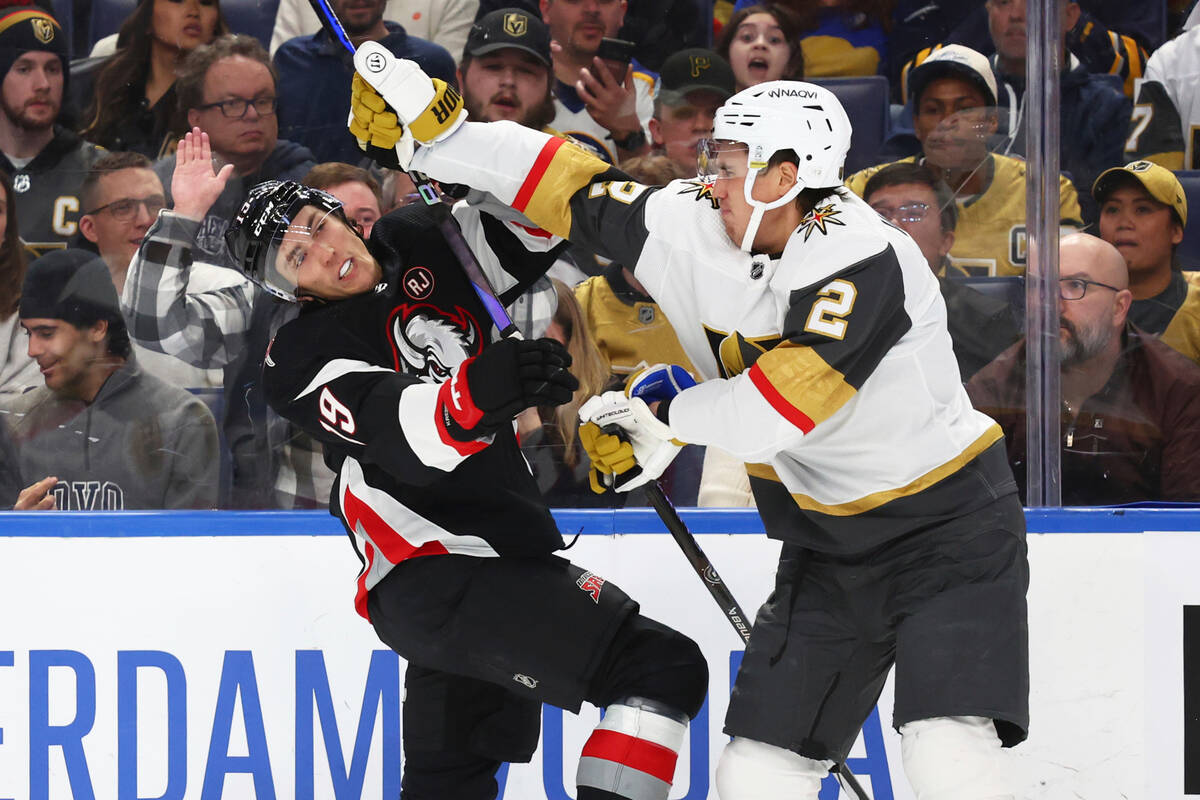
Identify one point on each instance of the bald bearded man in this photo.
(1131, 405)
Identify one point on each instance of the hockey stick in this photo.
(721, 593)
(700, 562)
(445, 220)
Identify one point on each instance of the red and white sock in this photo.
(630, 755)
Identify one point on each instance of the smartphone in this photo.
(617, 53)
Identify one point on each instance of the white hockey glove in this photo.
(627, 444)
(394, 104)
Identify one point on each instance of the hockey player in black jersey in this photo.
(393, 366)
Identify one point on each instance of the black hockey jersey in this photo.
(362, 376)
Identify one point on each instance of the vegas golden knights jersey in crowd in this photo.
(990, 238)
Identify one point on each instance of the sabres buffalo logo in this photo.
(430, 343)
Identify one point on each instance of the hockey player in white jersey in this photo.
(820, 336)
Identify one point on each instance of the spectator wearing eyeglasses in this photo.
(228, 90)
(916, 200)
(1131, 404)
(122, 197)
(1143, 211)
(46, 161)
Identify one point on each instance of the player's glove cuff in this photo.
(659, 382)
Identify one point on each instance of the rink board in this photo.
(197, 656)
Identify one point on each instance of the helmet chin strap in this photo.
(760, 208)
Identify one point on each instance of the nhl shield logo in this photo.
(43, 29)
(515, 25)
(21, 183)
(645, 314)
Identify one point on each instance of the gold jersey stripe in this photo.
(872, 501)
(560, 170)
(805, 381)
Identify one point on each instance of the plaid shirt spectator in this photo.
(228, 327)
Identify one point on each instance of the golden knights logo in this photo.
(736, 353)
(515, 25)
(702, 188)
(818, 219)
(43, 29)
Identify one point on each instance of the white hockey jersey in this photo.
(1166, 117)
(828, 368)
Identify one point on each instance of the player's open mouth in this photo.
(347, 265)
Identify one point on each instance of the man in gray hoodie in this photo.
(100, 434)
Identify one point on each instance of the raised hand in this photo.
(195, 185)
(611, 102)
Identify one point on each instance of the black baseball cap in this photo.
(509, 27)
(695, 68)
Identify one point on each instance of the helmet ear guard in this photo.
(258, 229)
(786, 115)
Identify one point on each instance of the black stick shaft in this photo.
(720, 592)
(700, 563)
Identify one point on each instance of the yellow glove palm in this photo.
(371, 120)
(610, 455)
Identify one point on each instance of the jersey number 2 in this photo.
(828, 315)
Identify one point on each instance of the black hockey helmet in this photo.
(264, 223)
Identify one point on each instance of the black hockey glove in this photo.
(487, 391)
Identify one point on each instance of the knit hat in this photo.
(71, 285)
(26, 28)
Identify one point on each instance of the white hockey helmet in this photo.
(786, 115)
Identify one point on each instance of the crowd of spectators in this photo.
(130, 350)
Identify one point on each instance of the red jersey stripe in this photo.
(395, 547)
(540, 165)
(639, 754)
(778, 402)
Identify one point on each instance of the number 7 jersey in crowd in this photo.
(827, 368)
